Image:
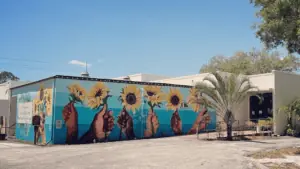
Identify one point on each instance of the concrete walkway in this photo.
(185, 152)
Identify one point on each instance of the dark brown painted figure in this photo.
(200, 120)
(176, 123)
(125, 124)
(70, 117)
(100, 128)
(152, 124)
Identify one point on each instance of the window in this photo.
(261, 109)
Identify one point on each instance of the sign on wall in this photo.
(58, 124)
(25, 113)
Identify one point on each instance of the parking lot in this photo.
(173, 152)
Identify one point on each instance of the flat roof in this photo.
(101, 80)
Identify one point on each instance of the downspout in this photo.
(142, 114)
(9, 111)
(275, 110)
(53, 108)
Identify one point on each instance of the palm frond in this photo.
(223, 82)
(220, 79)
(209, 92)
(212, 81)
(224, 92)
(242, 94)
(212, 98)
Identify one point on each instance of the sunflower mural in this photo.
(42, 107)
(103, 121)
(154, 97)
(131, 101)
(48, 101)
(174, 102)
(197, 101)
(77, 94)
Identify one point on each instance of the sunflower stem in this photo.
(121, 125)
(152, 127)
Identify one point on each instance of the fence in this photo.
(240, 128)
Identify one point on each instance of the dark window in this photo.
(261, 109)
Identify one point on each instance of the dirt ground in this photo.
(185, 152)
(279, 158)
(277, 153)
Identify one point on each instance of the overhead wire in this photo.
(34, 67)
(51, 68)
(22, 59)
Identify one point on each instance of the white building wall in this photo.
(4, 91)
(184, 80)
(4, 88)
(5, 98)
(143, 77)
(151, 77)
(287, 88)
(264, 82)
(135, 77)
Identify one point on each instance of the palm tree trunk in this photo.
(71, 120)
(229, 131)
(229, 121)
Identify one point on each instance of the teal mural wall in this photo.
(93, 111)
(34, 99)
(87, 111)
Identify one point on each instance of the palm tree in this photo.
(224, 92)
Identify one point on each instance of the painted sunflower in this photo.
(193, 101)
(41, 92)
(77, 93)
(154, 95)
(131, 97)
(36, 103)
(174, 99)
(48, 100)
(97, 94)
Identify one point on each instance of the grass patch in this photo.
(241, 138)
(281, 166)
(277, 153)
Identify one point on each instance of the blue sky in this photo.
(171, 37)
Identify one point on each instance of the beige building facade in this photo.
(142, 77)
(283, 86)
(9, 118)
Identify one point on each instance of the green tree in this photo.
(280, 23)
(5, 76)
(224, 92)
(253, 62)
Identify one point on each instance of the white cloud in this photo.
(99, 60)
(79, 63)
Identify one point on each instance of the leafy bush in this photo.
(290, 110)
(290, 132)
